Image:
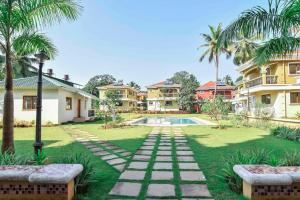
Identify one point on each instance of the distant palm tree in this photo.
(278, 25)
(213, 51)
(243, 50)
(228, 80)
(20, 21)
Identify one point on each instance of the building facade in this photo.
(275, 85)
(127, 96)
(163, 96)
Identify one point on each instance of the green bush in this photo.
(291, 159)
(87, 176)
(286, 133)
(13, 159)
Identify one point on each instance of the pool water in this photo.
(165, 121)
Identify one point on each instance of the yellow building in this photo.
(127, 96)
(163, 96)
(275, 85)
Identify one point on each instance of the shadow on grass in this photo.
(213, 159)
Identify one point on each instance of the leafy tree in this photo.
(134, 85)
(98, 81)
(213, 51)
(278, 25)
(228, 80)
(189, 84)
(111, 101)
(20, 22)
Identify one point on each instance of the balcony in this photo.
(169, 95)
(270, 79)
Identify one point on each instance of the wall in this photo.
(159, 106)
(49, 103)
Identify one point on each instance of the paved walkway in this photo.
(163, 167)
(112, 154)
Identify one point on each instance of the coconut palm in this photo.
(243, 50)
(20, 21)
(212, 50)
(228, 80)
(278, 25)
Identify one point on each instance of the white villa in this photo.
(61, 102)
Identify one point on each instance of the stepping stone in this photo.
(133, 175)
(184, 148)
(138, 165)
(162, 175)
(194, 190)
(162, 165)
(144, 152)
(165, 144)
(96, 149)
(161, 190)
(119, 150)
(165, 148)
(116, 161)
(185, 159)
(147, 148)
(184, 153)
(101, 153)
(90, 146)
(126, 189)
(163, 158)
(181, 141)
(189, 166)
(119, 167)
(164, 153)
(192, 176)
(125, 154)
(149, 143)
(182, 144)
(109, 157)
(142, 157)
(150, 140)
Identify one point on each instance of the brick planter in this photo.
(263, 182)
(55, 182)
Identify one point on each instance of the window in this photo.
(29, 102)
(266, 99)
(295, 97)
(294, 68)
(119, 103)
(168, 103)
(68, 103)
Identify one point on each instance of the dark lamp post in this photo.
(42, 57)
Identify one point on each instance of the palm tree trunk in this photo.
(217, 75)
(8, 110)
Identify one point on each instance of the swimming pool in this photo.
(165, 121)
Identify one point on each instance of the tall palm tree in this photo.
(20, 21)
(213, 51)
(278, 25)
(228, 80)
(243, 50)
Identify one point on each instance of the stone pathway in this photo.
(163, 167)
(114, 155)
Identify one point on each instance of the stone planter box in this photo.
(54, 181)
(263, 182)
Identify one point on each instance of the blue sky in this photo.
(141, 40)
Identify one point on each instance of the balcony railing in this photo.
(270, 79)
(169, 95)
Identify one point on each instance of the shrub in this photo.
(40, 158)
(291, 159)
(87, 176)
(13, 159)
(23, 124)
(286, 133)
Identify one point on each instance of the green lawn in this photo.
(211, 147)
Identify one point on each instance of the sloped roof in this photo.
(211, 86)
(48, 83)
(112, 86)
(164, 84)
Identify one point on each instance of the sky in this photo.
(145, 41)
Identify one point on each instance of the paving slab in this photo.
(164, 153)
(109, 157)
(165, 144)
(101, 153)
(185, 159)
(133, 175)
(149, 143)
(162, 175)
(164, 158)
(188, 166)
(147, 148)
(194, 190)
(125, 154)
(126, 189)
(183, 148)
(141, 157)
(138, 165)
(165, 148)
(192, 176)
(144, 152)
(184, 153)
(161, 190)
(163, 165)
(116, 161)
(120, 167)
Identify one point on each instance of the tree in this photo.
(98, 81)
(189, 84)
(213, 51)
(244, 49)
(20, 22)
(228, 80)
(277, 25)
(111, 101)
(134, 85)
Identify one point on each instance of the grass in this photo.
(211, 148)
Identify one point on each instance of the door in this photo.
(78, 108)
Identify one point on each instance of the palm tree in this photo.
(278, 25)
(20, 21)
(213, 51)
(228, 80)
(243, 50)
